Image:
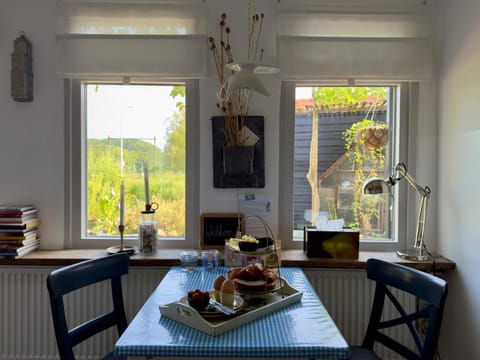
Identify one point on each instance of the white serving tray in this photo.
(187, 315)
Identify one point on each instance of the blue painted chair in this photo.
(431, 290)
(64, 280)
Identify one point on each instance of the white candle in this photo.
(122, 204)
(145, 176)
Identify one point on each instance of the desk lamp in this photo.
(379, 186)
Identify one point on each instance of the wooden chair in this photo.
(426, 287)
(73, 277)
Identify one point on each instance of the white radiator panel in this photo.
(348, 297)
(26, 330)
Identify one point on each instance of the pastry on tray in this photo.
(253, 277)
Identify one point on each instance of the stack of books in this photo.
(18, 230)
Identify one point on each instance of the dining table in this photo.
(302, 329)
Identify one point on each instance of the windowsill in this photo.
(169, 257)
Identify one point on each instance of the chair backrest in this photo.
(73, 277)
(431, 290)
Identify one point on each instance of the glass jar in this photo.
(148, 232)
(210, 259)
(189, 260)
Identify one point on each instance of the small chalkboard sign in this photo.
(215, 228)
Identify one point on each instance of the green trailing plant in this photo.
(367, 162)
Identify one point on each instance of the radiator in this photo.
(26, 330)
(348, 297)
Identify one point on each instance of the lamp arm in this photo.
(402, 171)
(422, 211)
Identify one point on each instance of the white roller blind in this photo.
(131, 38)
(365, 39)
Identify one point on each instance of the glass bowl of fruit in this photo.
(198, 299)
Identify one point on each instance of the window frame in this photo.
(403, 147)
(75, 182)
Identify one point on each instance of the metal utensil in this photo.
(222, 308)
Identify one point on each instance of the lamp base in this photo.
(130, 250)
(413, 254)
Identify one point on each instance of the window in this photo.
(115, 129)
(337, 137)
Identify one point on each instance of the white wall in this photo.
(31, 134)
(459, 171)
(32, 141)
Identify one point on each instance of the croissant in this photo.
(270, 275)
(233, 273)
(251, 272)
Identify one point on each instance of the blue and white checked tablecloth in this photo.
(302, 330)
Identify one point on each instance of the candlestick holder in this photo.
(129, 249)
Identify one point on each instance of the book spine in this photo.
(18, 220)
(17, 209)
(26, 226)
(13, 214)
(18, 254)
(18, 213)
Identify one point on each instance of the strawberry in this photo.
(198, 299)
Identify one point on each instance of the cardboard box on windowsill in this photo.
(331, 244)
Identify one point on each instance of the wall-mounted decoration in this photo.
(21, 76)
(239, 166)
(215, 228)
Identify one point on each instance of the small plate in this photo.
(211, 311)
(256, 287)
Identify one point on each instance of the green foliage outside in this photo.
(166, 178)
(331, 99)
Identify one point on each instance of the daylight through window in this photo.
(343, 136)
(127, 126)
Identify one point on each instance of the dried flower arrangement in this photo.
(235, 107)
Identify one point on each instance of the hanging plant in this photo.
(367, 154)
(366, 133)
(373, 135)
